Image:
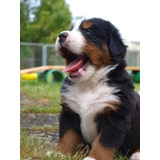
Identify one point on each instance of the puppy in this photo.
(99, 105)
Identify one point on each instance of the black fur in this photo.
(103, 32)
(120, 129)
(69, 120)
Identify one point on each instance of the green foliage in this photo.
(51, 17)
(24, 18)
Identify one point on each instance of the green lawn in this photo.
(44, 98)
(137, 86)
(34, 149)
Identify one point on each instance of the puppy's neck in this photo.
(98, 78)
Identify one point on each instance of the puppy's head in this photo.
(88, 46)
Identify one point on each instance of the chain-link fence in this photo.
(133, 53)
(37, 54)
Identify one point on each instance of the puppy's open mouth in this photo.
(77, 64)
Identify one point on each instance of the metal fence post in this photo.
(137, 59)
(44, 55)
(29, 54)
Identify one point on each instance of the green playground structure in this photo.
(53, 74)
(136, 77)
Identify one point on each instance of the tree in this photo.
(24, 18)
(51, 17)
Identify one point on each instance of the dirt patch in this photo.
(27, 101)
(41, 126)
(33, 124)
(29, 120)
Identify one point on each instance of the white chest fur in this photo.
(88, 99)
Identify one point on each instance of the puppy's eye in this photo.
(87, 32)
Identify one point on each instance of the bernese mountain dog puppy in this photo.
(99, 105)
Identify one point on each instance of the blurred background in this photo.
(41, 21)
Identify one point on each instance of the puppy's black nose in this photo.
(63, 36)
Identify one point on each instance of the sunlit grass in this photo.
(55, 109)
(43, 92)
(35, 149)
(137, 86)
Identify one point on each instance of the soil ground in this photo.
(42, 126)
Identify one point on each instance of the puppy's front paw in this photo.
(89, 158)
(135, 156)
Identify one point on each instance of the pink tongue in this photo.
(75, 65)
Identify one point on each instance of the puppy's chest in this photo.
(87, 102)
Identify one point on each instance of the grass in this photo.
(44, 128)
(32, 147)
(137, 86)
(35, 149)
(44, 97)
(41, 110)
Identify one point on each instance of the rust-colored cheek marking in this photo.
(98, 56)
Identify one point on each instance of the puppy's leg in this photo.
(69, 134)
(69, 142)
(112, 131)
(100, 152)
(136, 155)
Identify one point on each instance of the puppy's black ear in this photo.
(116, 45)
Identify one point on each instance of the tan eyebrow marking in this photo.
(87, 24)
